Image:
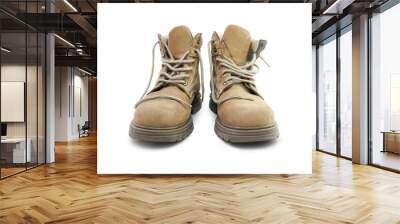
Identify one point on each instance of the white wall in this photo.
(79, 117)
(70, 83)
(62, 82)
(17, 73)
(14, 73)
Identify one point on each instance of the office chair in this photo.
(84, 130)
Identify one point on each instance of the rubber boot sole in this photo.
(243, 135)
(170, 134)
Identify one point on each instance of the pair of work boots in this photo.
(164, 113)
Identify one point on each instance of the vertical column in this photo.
(317, 97)
(338, 91)
(50, 92)
(360, 89)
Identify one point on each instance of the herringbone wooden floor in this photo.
(70, 191)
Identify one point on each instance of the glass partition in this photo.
(15, 150)
(23, 89)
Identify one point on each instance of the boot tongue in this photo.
(179, 41)
(237, 43)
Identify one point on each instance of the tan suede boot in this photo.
(242, 113)
(164, 114)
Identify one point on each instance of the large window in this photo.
(327, 96)
(385, 89)
(346, 93)
(335, 94)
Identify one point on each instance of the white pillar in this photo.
(50, 93)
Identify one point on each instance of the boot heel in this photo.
(212, 105)
(196, 104)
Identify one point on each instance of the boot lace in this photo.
(233, 74)
(175, 74)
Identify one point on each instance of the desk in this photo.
(391, 141)
(13, 150)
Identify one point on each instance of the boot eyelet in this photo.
(225, 83)
(185, 83)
